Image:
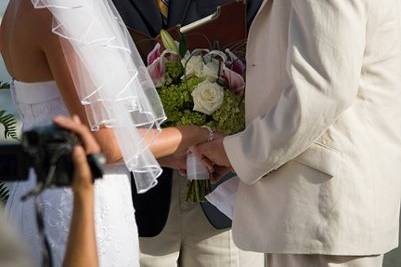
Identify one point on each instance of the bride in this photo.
(75, 57)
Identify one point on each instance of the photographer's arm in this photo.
(81, 247)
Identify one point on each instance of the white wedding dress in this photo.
(116, 231)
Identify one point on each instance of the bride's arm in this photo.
(176, 140)
(169, 141)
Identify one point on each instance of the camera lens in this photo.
(31, 138)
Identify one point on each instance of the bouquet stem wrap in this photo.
(198, 180)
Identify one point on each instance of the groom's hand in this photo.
(219, 172)
(214, 151)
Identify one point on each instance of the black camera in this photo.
(48, 151)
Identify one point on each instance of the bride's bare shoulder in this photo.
(40, 19)
(22, 17)
(25, 32)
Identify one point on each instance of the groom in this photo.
(319, 161)
(173, 231)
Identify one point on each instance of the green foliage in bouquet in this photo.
(197, 190)
(174, 72)
(178, 103)
(230, 117)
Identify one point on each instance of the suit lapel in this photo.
(149, 12)
(262, 6)
(265, 2)
(177, 11)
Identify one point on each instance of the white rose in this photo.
(211, 70)
(193, 66)
(208, 97)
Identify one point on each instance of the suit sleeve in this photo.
(324, 61)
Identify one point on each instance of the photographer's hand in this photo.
(76, 126)
(81, 247)
(83, 178)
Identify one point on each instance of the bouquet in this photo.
(200, 87)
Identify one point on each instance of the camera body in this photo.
(48, 151)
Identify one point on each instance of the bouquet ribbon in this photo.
(198, 179)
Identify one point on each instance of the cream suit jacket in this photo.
(320, 159)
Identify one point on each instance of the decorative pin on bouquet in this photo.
(200, 87)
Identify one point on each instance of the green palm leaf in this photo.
(4, 194)
(10, 131)
(10, 125)
(4, 85)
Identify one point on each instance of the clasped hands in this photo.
(211, 153)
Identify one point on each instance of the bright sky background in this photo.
(3, 4)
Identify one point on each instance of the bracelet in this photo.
(211, 133)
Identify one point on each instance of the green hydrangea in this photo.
(174, 72)
(190, 83)
(230, 117)
(176, 98)
(190, 117)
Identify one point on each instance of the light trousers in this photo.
(288, 260)
(188, 239)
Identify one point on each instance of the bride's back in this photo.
(23, 33)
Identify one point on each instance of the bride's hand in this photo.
(189, 136)
(176, 162)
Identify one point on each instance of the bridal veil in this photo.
(111, 80)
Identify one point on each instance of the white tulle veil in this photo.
(111, 80)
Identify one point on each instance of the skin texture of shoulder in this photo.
(24, 30)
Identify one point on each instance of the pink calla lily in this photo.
(154, 54)
(155, 65)
(235, 81)
(235, 63)
(156, 60)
